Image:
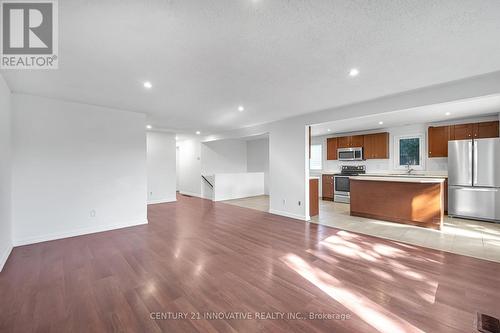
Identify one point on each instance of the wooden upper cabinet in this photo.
(376, 146)
(463, 131)
(486, 130)
(331, 148)
(438, 138)
(343, 142)
(350, 141)
(357, 141)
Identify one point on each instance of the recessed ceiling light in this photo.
(149, 126)
(354, 72)
(198, 132)
(241, 108)
(148, 85)
(328, 130)
(380, 122)
(448, 113)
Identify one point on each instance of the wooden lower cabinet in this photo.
(327, 187)
(418, 204)
(313, 196)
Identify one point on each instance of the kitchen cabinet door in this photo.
(438, 138)
(344, 142)
(313, 197)
(327, 187)
(357, 141)
(331, 148)
(486, 130)
(463, 131)
(376, 146)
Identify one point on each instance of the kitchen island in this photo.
(409, 200)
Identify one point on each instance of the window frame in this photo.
(320, 157)
(421, 139)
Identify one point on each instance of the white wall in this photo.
(258, 159)
(237, 185)
(5, 173)
(225, 156)
(76, 169)
(161, 162)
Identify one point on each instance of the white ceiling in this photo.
(277, 58)
(444, 112)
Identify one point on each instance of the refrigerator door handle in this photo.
(476, 189)
(474, 163)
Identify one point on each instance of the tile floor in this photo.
(466, 237)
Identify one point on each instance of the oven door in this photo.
(342, 185)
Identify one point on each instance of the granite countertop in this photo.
(402, 179)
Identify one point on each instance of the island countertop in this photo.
(401, 179)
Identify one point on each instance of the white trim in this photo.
(77, 232)
(198, 195)
(286, 214)
(159, 201)
(422, 151)
(4, 255)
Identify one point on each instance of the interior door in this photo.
(460, 162)
(487, 162)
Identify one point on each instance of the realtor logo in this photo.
(29, 34)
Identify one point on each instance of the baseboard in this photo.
(4, 255)
(286, 214)
(198, 195)
(223, 198)
(77, 232)
(159, 201)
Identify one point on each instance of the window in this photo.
(315, 163)
(409, 152)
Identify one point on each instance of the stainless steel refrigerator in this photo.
(474, 179)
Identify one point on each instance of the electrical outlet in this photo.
(284, 202)
(299, 203)
(92, 213)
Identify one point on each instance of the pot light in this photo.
(328, 130)
(354, 72)
(149, 126)
(241, 108)
(148, 85)
(380, 122)
(448, 113)
(198, 132)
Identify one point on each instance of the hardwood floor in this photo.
(196, 256)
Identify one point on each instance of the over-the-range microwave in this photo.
(350, 154)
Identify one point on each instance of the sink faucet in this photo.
(408, 169)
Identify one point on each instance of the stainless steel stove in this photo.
(341, 184)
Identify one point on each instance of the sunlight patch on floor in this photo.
(370, 312)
